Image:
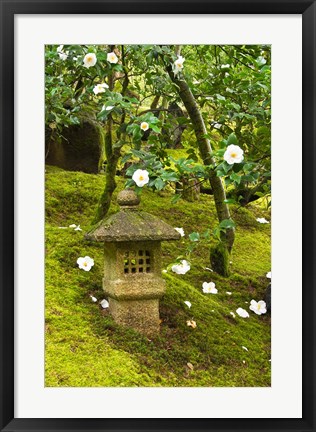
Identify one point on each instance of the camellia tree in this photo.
(132, 92)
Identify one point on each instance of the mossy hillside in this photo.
(84, 347)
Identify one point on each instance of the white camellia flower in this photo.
(141, 177)
(209, 288)
(181, 268)
(233, 154)
(191, 323)
(259, 307)
(180, 231)
(112, 57)
(242, 312)
(268, 275)
(63, 56)
(85, 263)
(262, 220)
(188, 303)
(100, 88)
(144, 126)
(178, 65)
(89, 60)
(104, 303)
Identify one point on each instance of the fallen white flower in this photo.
(262, 220)
(233, 154)
(259, 307)
(191, 323)
(85, 263)
(104, 303)
(180, 231)
(181, 268)
(209, 288)
(242, 313)
(141, 177)
(188, 303)
(268, 275)
(89, 60)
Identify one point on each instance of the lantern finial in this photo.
(128, 199)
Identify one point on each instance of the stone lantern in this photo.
(132, 263)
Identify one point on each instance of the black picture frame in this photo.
(8, 9)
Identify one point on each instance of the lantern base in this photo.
(141, 315)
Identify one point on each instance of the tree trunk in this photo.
(112, 157)
(206, 154)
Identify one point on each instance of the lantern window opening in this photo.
(137, 262)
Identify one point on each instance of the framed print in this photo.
(141, 146)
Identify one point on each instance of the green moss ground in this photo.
(85, 348)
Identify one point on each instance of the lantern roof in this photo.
(131, 224)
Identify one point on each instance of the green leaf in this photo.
(169, 176)
(229, 201)
(232, 139)
(220, 97)
(175, 198)
(261, 61)
(155, 128)
(227, 223)
(235, 177)
(194, 237)
(159, 184)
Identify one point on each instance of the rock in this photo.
(81, 149)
